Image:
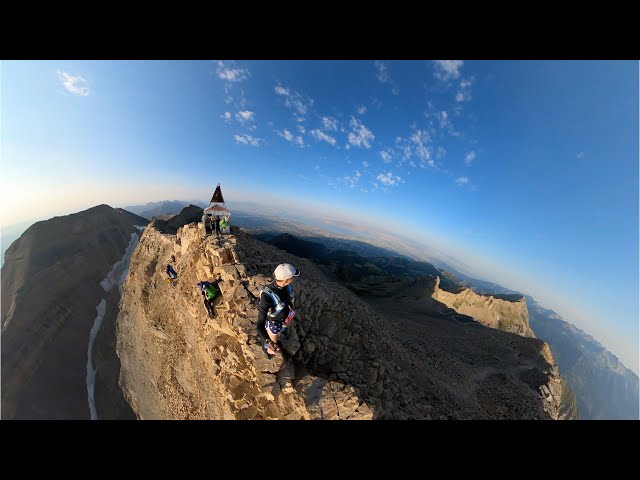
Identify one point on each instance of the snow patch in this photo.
(91, 372)
(119, 270)
(116, 276)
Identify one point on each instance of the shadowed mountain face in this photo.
(51, 286)
(603, 386)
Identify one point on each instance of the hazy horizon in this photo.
(525, 172)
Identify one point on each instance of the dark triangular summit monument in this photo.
(217, 196)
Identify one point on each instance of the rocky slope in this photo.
(51, 285)
(343, 359)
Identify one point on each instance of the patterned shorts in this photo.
(274, 327)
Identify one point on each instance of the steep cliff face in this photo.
(343, 359)
(504, 312)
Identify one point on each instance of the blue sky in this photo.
(526, 171)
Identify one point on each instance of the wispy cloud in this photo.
(295, 101)
(382, 73)
(301, 128)
(361, 110)
(464, 91)
(286, 134)
(226, 116)
(289, 137)
(469, 158)
(386, 156)
(319, 135)
(387, 180)
(462, 181)
(421, 148)
(244, 116)
(446, 70)
(74, 84)
(247, 140)
(360, 136)
(365, 164)
(229, 74)
(580, 155)
(376, 102)
(329, 123)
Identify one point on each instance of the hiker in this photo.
(216, 223)
(275, 310)
(223, 224)
(209, 292)
(171, 273)
(173, 259)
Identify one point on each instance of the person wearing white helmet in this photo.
(275, 310)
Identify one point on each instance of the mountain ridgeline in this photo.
(54, 277)
(376, 335)
(342, 358)
(596, 382)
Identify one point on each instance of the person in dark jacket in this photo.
(216, 224)
(275, 310)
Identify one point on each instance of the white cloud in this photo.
(295, 101)
(301, 128)
(226, 116)
(422, 150)
(366, 164)
(383, 72)
(469, 158)
(76, 85)
(580, 155)
(358, 171)
(330, 123)
(319, 135)
(231, 74)
(388, 179)
(244, 116)
(446, 70)
(360, 136)
(461, 181)
(299, 141)
(395, 91)
(464, 91)
(247, 139)
(286, 134)
(361, 110)
(386, 156)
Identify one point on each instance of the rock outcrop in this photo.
(342, 358)
(504, 312)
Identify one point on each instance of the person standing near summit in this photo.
(216, 224)
(275, 310)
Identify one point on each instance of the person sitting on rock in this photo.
(209, 292)
(275, 310)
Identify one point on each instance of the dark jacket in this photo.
(286, 295)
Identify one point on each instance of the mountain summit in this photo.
(343, 359)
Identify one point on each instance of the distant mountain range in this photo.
(166, 207)
(604, 387)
